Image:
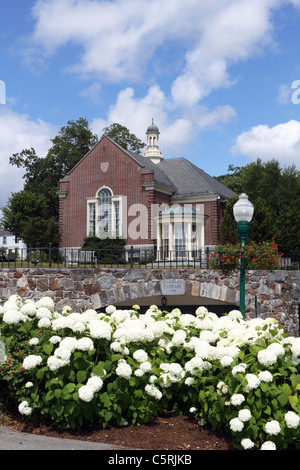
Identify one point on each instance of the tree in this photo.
(275, 194)
(21, 207)
(39, 232)
(122, 136)
(42, 175)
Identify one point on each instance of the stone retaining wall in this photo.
(277, 293)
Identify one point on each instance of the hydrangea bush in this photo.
(117, 367)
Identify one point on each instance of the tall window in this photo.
(165, 241)
(92, 219)
(117, 224)
(180, 240)
(104, 212)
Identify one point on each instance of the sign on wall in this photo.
(172, 286)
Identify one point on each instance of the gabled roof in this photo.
(191, 180)
(178, 175)
(159, 177)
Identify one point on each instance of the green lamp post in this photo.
(243, 212)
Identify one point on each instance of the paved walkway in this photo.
(15, 440)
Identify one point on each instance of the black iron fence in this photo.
(52, 257)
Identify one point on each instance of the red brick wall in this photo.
(212, 226)
(124, 177)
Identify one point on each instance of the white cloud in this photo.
(137, 113)
(284, 94)
(18, 132)
(119, 38)
(281, 142)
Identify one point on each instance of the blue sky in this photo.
(217, 77)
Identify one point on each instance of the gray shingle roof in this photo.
(191, 180)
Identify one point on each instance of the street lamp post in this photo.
(243, 212)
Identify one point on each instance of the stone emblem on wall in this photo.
(104, 167)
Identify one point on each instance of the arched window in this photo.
(104, 215)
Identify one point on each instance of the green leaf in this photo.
(293, 401)
(81, 376)
(99, 369)
(40, 373)
(81, 363)
(49, 395)
(48, 348)
(57, 393)
(283, 399)
(286, 390)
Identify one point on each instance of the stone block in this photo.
(106, 282)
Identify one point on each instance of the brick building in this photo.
(170, 204)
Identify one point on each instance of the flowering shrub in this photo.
(263, 255)
(239, 376)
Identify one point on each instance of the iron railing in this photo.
(52, 257)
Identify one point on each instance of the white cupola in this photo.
(152, 150)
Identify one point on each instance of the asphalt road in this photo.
(14, 440)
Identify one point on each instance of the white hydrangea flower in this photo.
(265, 376)
(69, 343)
(63, 353)
(189, 381)
(268, 445)
(247, 443)
(267, 357)
(239, 369)
(44, 322)
(24, 408)
(54, 363)
(145, 366)
(124, 370)
(55, 339)
(34, 341)
(272, 427)
(31, 361)
(12, 317)
(86, 393)
(45, 302)
(235, 315)
(78, 327)
(194, 365)
(153, 391)
(43, 312)
(244, 415)
(277, 348)
(110, 309)
(292, 420)
(296, 347)
(95, 383)
(253, 382)
(226, 361)
(237, 399)
(236, 425)
(29, 309)
(100, 329)
(222, 388)
(179, 337)
(201, 311)
(140, 355)
(85, 344)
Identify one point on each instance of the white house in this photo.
(9, 243)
